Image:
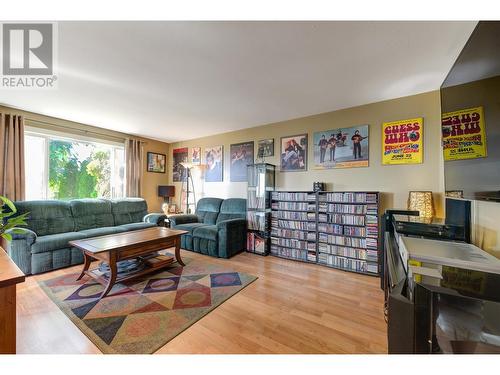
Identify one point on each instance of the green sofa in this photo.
(218, 228)
(43, 245)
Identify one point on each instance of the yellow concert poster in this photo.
(464, 135)
(403, 141)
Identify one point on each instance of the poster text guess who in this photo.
(464, 136)
(402, 141)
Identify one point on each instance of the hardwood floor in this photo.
(292, 308)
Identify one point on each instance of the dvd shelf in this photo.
(293, 225)
(353, 244)
(335, 229)
(261, 177)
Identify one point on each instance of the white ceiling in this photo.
(180, 80)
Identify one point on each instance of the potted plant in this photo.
(7, 222)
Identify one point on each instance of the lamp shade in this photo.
(166, 191)
(421, 201)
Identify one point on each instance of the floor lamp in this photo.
(189, 177)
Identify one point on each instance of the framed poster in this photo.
(402, 141)
(156, 162)
(265, 148)
(180, 155)
(196, 155)
(241, 155)
(464, 134)
(341, 148)
(293, 153)
(214, 157)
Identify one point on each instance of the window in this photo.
(66, 167)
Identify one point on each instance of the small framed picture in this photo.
(156, 162)
(293, 153)
(196, 155)
(265, 148)
(172, 209)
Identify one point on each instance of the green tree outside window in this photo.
(78, 170)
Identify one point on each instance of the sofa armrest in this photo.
(154, 218)
(182, 219)
(232, 224)
(232, 236)
(23, 234)
(19, 249)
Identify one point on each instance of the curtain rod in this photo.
(82, 131)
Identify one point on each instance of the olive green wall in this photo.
(395, 181)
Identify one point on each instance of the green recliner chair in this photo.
(218, 228)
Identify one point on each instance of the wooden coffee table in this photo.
(122, 246)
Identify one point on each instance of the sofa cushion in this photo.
(207, 210)
(91, 213)
(128, 210)
(208, 232)
(103, 231)
(136, 226)
(53, 242)
(232, 208)
(47, 216)
(190, 227)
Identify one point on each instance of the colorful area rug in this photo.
(142, 315)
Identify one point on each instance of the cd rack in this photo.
(335, 229)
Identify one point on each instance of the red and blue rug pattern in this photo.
(142, 315)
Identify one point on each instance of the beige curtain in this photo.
(133, 158)
(12, 156)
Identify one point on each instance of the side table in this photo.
(10, 276)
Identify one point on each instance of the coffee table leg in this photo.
(178, 251)
(86, 264)
(112, 276)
